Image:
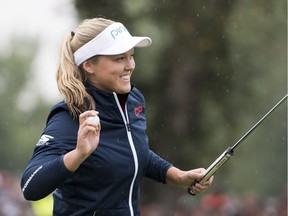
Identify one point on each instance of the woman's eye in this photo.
(120, 58)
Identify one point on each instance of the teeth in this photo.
(125, 77)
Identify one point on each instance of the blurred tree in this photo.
(18, 124)
(257, 38)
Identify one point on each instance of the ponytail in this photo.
(70, 78)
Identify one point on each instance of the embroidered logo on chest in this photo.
(138, 110)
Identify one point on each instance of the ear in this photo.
(87, 66)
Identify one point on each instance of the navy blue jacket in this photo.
(107, 182)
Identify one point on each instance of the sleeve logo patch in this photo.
(44, 139)
(138, 110)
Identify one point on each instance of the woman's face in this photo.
(111, 73)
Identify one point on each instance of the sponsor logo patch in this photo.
(44, 139)
(138, 110)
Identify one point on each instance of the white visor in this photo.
(113, 40)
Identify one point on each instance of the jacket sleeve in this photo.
(157, 167)
(46, 170)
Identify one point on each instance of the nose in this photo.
(130, 64)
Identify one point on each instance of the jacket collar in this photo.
(100, 96)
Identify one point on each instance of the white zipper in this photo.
(126, 121)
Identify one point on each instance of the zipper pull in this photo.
(128, 127)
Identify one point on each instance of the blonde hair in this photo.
(70, 78)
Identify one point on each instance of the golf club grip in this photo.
(223, 158)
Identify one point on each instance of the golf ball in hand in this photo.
(95, 119)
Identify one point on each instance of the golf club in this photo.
(226, 155)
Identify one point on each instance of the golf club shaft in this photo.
(226, 155)
(259, 122)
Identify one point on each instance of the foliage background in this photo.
(214, 69)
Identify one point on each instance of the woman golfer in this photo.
(96, 168)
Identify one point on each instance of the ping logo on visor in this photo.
(113, 40)
(119, 30)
